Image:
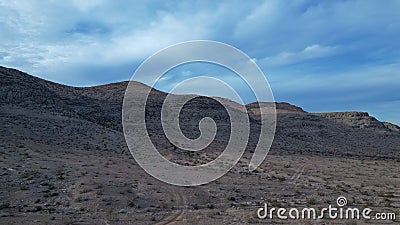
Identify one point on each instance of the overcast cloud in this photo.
(321, 55)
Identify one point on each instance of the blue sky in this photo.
(320, 55)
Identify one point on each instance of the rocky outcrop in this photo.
(391, 126)
(354, 119)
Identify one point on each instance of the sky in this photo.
(320, 55)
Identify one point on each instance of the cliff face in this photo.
(391, 126)
(359, 120)
(354, 119)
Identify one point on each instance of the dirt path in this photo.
(177, 216)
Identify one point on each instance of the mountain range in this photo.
(64, 158)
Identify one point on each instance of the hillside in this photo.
(297, 130)
(64, 157)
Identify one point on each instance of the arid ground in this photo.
(64, 160)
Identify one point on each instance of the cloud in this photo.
(308, 53)
(291, 26)
(357, 89)
(76, 36)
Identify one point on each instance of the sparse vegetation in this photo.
(4, 205)
(64, 157)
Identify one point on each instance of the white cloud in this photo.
(42, 40)
(287, 26)
(310, 52)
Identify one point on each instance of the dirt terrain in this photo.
(64, 160)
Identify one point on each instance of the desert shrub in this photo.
(311, 201)
(4, 205)
(132, 202)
